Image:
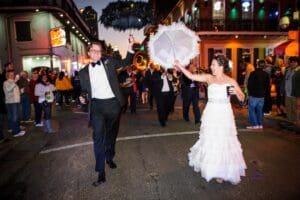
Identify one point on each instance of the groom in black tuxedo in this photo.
(100, 87)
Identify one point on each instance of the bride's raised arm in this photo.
(195, 77)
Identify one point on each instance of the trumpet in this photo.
(140, 60)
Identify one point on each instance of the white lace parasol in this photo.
(173, 42)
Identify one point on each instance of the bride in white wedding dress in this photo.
(217, 153)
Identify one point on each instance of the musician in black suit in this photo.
(127, 82)
(149, 83)
(190, 95)
(162, 90)
(100, 87)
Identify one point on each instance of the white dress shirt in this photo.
(99, 82)
(165, 87)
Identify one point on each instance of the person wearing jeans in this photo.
(255, 109)
(23, 84)
(44, 90)
(35, 99)
(12, 100)
(257, 86)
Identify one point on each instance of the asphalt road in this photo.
(152, 163)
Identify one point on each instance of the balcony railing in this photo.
(234, 25)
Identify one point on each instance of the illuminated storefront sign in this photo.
(58, 37)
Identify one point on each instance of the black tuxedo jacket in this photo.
(157, 83)
(110, 65)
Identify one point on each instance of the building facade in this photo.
(38, 33)
(236, 28)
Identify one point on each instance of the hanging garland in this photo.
(122, 15)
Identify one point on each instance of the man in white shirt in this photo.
(100, 87)
(163, 94)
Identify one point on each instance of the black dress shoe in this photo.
(187, 120)
(111, 164)
(163, 124)
(197, 122)
(101, 179)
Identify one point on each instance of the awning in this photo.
(292, 49)
(280, 49)
(289, 48)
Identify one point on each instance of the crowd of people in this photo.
(112, 86)
(265, 82)
(41, 89)
(269, 83)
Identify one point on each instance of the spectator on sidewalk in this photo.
(248, 69)
(23, 84)
(35, 99)
(7, 66)
(63, 86)
(44, 90)
(257, 86)
(278, 79)
(268, 99)
(76, 86)
(12, 100)
(296, 92)
(290, 98)
(2, 108)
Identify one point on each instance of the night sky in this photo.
(115, 38)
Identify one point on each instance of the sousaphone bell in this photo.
(140, 60)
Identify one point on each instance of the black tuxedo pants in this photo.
(164, 106)
(190, 96)
(105, 119)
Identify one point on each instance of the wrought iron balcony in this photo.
(234, 25)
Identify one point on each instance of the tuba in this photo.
(140, 60)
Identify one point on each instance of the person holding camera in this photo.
(44, 90)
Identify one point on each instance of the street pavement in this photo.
(152, 161)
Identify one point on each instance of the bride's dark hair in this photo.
(223, 61)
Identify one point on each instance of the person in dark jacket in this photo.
(278, 79)
(162, 91)
(100, 87)
(23, 84)
(149, 84)
(190, 95)
(77, 88)
(289, 86)
(258, 85)
(296, 92)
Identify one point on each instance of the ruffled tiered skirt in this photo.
(218, 152)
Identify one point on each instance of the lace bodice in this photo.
(217, 92)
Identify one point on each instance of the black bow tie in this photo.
(95, 63)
